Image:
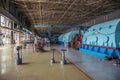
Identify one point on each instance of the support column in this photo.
(78, 28)
(12, 25)
(7, 5)
(49, 31)
(18, 37)
(25, 36)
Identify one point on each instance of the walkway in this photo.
(96, 67)
(36, 66)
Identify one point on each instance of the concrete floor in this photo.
(96, 67)
(36, 66)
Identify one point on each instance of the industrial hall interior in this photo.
(59, 39)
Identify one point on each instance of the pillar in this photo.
(12, 25)
(49, 31)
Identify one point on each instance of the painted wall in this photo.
(104, 34)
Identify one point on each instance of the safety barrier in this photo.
(102, 51)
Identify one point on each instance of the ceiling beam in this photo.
(57, 2)
(65, 11)
(51, 10)
(29, 13)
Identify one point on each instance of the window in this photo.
(2, 21)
